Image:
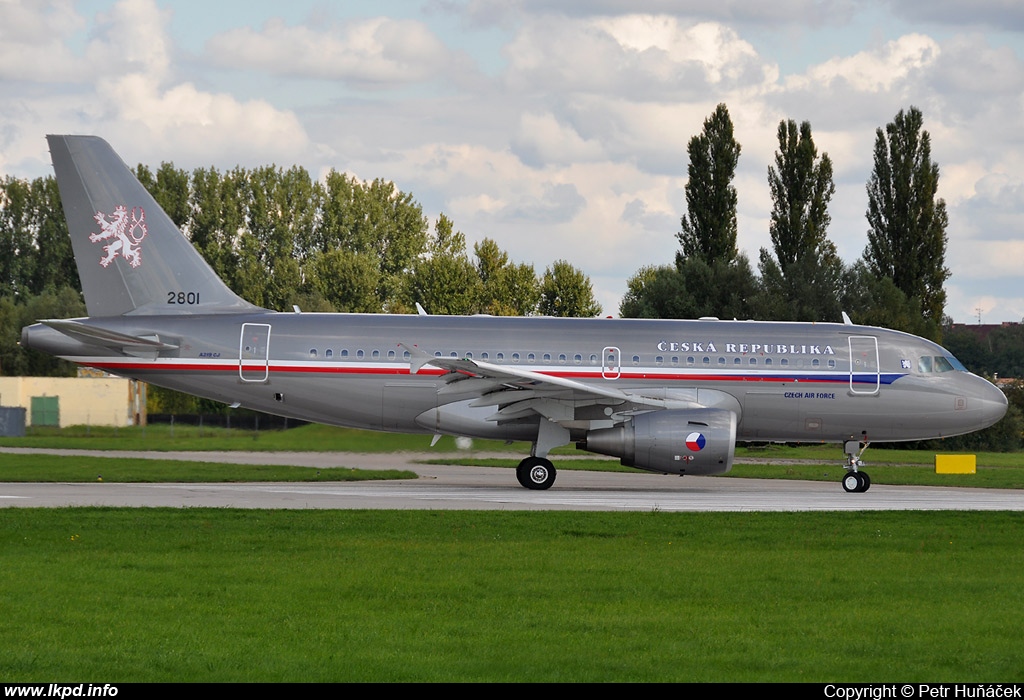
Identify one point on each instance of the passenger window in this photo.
(753, 360)
(515, 357)
(561, 359)
(329, 354)
(636, 359)
(785, 362)
(815, 362)
(530, 357)
(376, 354)
(659, 360)
(689, 361)
(831, 364)
(469, 356)
(706, 361)
(344, 354)
(359, 354)
(737, 361)
(391, 354)
(593, 359)
(312, 353)
(406, 355)
(547, 358)
(577, 358)
(767, 360)
(501, 357)
(721, 361)
(484, 356)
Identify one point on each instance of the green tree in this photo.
(346, 280)
(801, 282)
(374, 218)
(445, 282)
(35, 250)
(656, 292)
(171, 189)
(566, 291)
(709, 225)
(17, 244)
(907, 223)
(54, 267)
(506, 288)
(877, 301)
(217, 219)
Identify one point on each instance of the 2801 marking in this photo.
(182, 297)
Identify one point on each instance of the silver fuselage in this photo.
(794, 382)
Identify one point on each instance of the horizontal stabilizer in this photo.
(107, 338)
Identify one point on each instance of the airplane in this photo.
(670, 396)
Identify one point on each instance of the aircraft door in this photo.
(864, 378)
(254, 352)
(610, 363)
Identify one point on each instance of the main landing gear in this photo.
(855, 481)
(537, 473)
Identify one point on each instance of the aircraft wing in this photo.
(504, 385)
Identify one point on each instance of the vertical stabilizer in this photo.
(131, 257)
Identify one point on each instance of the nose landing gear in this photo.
(855, 481)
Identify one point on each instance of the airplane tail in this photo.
(131, 257)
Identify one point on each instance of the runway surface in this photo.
(482, 488)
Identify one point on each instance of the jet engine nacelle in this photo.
(697, 441)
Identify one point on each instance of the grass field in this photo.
(164, 438)
(225, 595)
(42, 468)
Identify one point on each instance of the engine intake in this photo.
(698, 441)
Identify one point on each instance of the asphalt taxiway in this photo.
(483, 488)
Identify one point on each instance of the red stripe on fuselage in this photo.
(403, 371)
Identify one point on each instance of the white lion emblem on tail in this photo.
(127, 234)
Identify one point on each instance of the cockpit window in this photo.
(926, 365)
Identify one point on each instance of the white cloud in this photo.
(878, 70)
(33, 41)
(379, 51)
(196, 122)
(542, 139)
(650, 58)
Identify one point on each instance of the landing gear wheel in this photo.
(856, 482)
(536, 473)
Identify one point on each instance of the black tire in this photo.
(536, 473)
(865, 481)
(852, 483)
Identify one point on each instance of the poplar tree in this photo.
(907, 222)
(801, 281)
(709, 225)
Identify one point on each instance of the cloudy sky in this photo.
(559, 129)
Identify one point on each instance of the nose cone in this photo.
(987, 403)
(994, 404)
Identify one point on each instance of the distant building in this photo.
(982, 330)
(92, 398)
